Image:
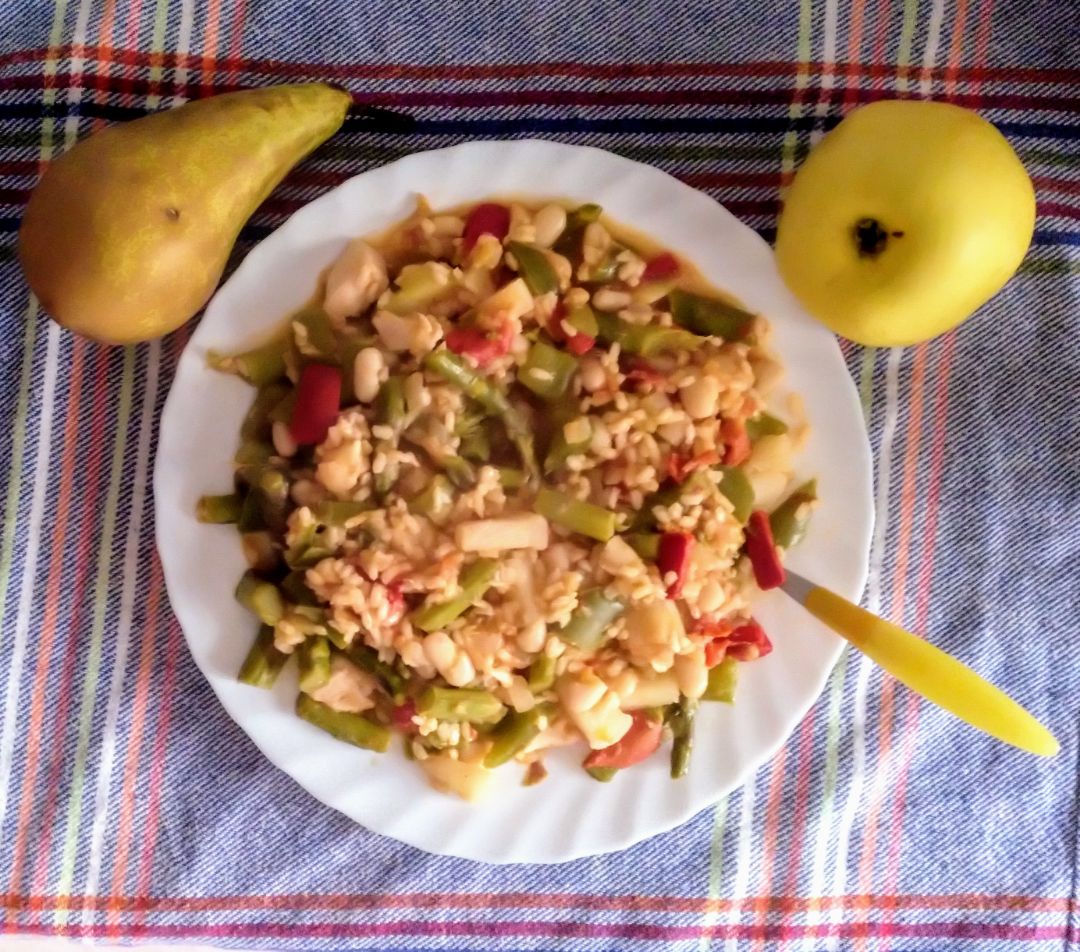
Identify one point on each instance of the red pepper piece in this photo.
(555, 328)
(633, 747)
(401, 716)
(736, 442)
(318, 398)
(485, 219)
(580, 344)
(748, 642)
(641, 371)
(680, 466)
(479, 345)
(664, 265)
(764, 558)
(673, 555)
(714, 652)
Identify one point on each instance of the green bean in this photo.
(603, 774)
(273, 495)
(736, 485)
(260, 598)
(541, 674)
(256, 423)
(561, 450)
(294, 588)
(515, 732)
(681, 721)
(722, 680)
(475, 580)
(313, 658)
(645, 340)
(534, 267)
(511, 478)
(456, 372)
(253, 453)
(251, 514)
(583, 320)
(569, 242)
(222, 510)
(318, 332)
(588, 625)
(547, 371)
(434, 439)
(583, 215)
(389, 411)
(645, 544)
(368, 659)
(263, 662)
(340, 512)
(352, 728)
(764, 424)
(460, 704)
(576, 514)
(259, 366)
(790, 519)
(709, 317)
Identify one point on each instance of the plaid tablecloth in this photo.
(131, 808)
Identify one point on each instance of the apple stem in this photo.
(871, 237)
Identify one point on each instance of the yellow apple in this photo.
(903, 220)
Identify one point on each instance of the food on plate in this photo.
(905, 219)
(127, 234)
(511, 482)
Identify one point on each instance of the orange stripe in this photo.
(47, 634)
(956, 48)
(210, 40)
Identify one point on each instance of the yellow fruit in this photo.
(127, 234)
(904, 219)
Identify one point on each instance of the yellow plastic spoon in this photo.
(927, 670)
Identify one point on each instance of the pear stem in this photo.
(870, 237)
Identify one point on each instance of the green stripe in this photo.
(716, 865)
(907, 38)
(93, 655)
(1039, 268)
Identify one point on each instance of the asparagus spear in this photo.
(263, 662)
(575, 514)
(352, 728)
(475, 581)
(589, 623)
(460, 704)
(681, 721)
(260, 598)
(313, 657)
(219, 509)
(515, 732)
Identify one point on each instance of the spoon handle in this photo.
(927, 670)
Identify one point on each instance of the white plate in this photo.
(569, 815)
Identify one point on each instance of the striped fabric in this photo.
(132, 809)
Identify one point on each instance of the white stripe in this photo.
(744, 858)
(183, 42)
(127, 608)
(933, 42)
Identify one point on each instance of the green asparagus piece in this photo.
(588, 625)
(547, 371)
(764, 424)
(264, 662)
(561, 450)
(352, 728)
(791, 518)
(515, 732)
(583, 215)
(260, 598)
(259, 366)
(583, 320)
(534, 268)
(460, 704)
(253, 453)
(603, 774)
(219, 509)
(368, 659)
(389, 411)
(645, 340)
(576, 515)
(313, 657)
(339, 512)
(511, 478)
(681, 721)
(455, 371)
(283, 409)
(722, 680)
(541, 674)
(273, 495)
(435, 501)
(294, 588)
(645, 544)
(740, 493)
(475, 581)
(256, 423)
(251, 515)
(434, 439)
(709, 317)
(319, 333)
(569, 242)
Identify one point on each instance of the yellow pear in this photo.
(903, 220)
(127, 234)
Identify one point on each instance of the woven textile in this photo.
(131, 808)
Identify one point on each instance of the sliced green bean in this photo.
(222, 510)
(352, 728)
(475, 580)
(259, 366)
(368, 659)
(253, 453)
(709, 317)
(722, 680)
(313, 658)
(645, 340)
(510, 478)
(547, 371)
(515, 732)
(256, 423)
(736, 485)
(273, 495)
(645, 544)
(764, 424)
(294, 588)
(263, 662)
(318, 332)
(261, 598)
(569, 242)
(460, 704)
(340, 512)
(583, 320)
(541, 674)
(791, 518)
(251, 514)
(576, 514)
(561, 450)
(588, 625)
(534, 267)
(681, 722)
(603, 774)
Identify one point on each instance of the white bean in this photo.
(368, 368)
(608, 299)
(284, 444)
(549, 223)
(700, 397)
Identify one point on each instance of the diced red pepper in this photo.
(487, 218)
(680, 466)
(764, 557)
(318, 399)
(396, 600)
(736, 442)
(714, 652)
(401, 716)
(580, 344)
(673, 555)
(555, 328)
(748, 642)
(664, 265)
(641, 371)
(636, 744)
(480, 345)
